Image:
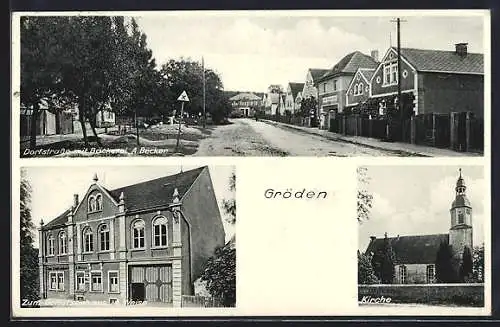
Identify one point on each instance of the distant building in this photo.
(245, 104)
(143, 242)
(50, 120)
(438, 81)
(105, 118)
(332, 86)
(415, 256)
(358, 90)
(293, 96)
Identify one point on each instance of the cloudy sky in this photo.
(415, 200)
(53, 187)
(252, 50)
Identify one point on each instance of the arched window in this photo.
(402, 274)
(360, 88)
(88, 237)
(356, 89)
(98, 202)
(63, 243)
(138, 234)
(103, 238)
(92, 204)
(50, 245)
(160, 231)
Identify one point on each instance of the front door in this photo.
(137, 292)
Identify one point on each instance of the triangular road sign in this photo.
(183, 97)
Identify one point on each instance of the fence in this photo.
(198, 301)
(459, 131)
(458, 294)
(292, 120)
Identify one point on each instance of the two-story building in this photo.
(293, 96)
(437, 81)
(333, 85)
(143, 242)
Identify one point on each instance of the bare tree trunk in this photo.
(92, 125)
(34, 115)
(81, 116)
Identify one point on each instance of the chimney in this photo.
(75, 200)
(374, 55)
(461, 49)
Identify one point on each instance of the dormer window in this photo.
(95, 203)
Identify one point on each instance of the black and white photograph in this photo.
(251, 83)
(422, 236)
(128, 236)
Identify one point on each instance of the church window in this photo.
(430, 274)
(460, 217)
(402, 274)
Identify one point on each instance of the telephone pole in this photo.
(400, 106)
(204, 110)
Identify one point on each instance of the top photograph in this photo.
(251, 83)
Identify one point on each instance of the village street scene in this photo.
(309, 86)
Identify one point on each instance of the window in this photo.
(402, 274)
(56, 280)
(324, 87)
(98, 202)
(160, 231)
(460, 217)
(96, 281)
(50, 245)
(360, 88)
(335, 85)
(104, 238)
(88, 240)
(113, 286)
(390, 73)
(138, 234)
(92, 204)
(430, 274)
(63, 244)
(80, 281)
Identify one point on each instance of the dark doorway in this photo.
(138, 292)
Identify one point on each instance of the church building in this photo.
(415, 256)
(146, 242)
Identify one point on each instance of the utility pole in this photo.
(204, 101)
(179, 131)
(400, 104)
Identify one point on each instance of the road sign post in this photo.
(183, 98)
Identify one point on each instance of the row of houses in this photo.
(436, 81)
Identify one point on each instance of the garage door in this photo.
(151, 283)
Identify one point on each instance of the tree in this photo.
(307, 106)
(366, 273)
(29, 274)
(383, 262)
(466, 265)
(364, 202)
(229, 205)
(478, 264)
(445, 272)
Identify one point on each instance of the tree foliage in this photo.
(445, 270)
(366, 273)
(364, 198)
(229, 205)
(220, 275)
(29, 274)
(308, 107)
(383, 262)
(478, 264)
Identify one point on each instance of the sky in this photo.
(251, 50)
(415, 200)
(53, 187)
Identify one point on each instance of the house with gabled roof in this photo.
(437, 81)
(146, 242)
(245, 104)
(358, 90)
(414, 256)
(293, 91)
(332, 86)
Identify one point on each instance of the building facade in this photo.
(415, 256)
(245, 104)
(143, 242)
(332, 86)
(293, 91)
(439, 81)
(358, 90)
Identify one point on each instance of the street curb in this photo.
(340, 139)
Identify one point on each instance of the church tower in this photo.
(461, 220)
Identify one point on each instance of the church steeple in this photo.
(461, 219)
